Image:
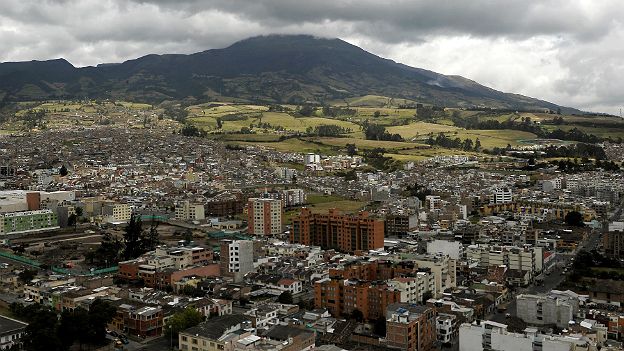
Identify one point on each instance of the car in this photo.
(124, 341)
(507, 315)
(114, 333)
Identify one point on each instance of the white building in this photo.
(11, 333)
(446, 327)
(488, 335)
(413, 289)
(453, 249)
(116, 213)
(236, 258)
(187, 211)
(526, 258)
(557, 307)
(501, 196)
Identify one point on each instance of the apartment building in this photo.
(527, 259)
(613, 243)
(11, 333)
(334, 230)
(399, 225)
(236, 258)
(116, 213)
(264, 216)
(443, 268)
(489, 335)
(216, 334)
(446, 327)
(415, 289)
(557, 307)
(410, 327)
(342, 297)
(501, 196)
(187, 211)
(27, 222)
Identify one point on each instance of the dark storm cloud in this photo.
(567, 51)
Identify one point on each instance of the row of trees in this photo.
(457, 143)
(327, 130)
(378, 132)
(47, 332)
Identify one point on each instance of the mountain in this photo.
(275, 68)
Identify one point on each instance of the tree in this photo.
(351, 149)
(63, 171)
(219, 123)
(285, 297)
(27, 275)
(357, 315)
(376, 114)
(72, 220)
(79, 211)
(182, 320)
(41, 332)
(101, 312)
(151, 240)
(109, 250)
(133, 236)
(574, 218)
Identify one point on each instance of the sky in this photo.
(570, 52)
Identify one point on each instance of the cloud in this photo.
(565, 51)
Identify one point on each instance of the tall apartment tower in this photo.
(264, 216)
(236, 258)
(347, 233)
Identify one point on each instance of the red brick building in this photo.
(411, 327)
(334, 230)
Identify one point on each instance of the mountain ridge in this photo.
(273, 68)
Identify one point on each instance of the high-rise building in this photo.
(501, 196)
(236, 258)
(264, 216)
(338, 231)
(410, 327)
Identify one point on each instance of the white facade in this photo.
(265, 216)
(501, 196)
(238, 259)
(413, 289)
(526, 258)
(557, 308)
(490, 335)
(453, 249)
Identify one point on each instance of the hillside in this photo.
(277, 68)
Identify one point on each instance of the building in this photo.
(415, 289)
(27, 222)
(143, 322)
(334, 230)
(236, 258)
(187, 211)
(410, 327)
(501, 196)
(613, 243)
(342, 297)
(11, 333)
(528, 259)
(443, 268)
(400, 225)
(116, 213)
(488, 335)
(446, 327)
(557, 307)
(453, 249)
(264, 216)
(216, 334)
(294, 197)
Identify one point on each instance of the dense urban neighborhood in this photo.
(146, 234)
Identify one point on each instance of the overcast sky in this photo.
(570, 52)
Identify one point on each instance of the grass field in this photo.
(602, 132)
(319, 203)
(369, 144)
(494, 138)
(291, 145)
(420, 129)
(372, 101)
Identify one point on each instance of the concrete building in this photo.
(400, 225)
(446, 327)
(27, 222)
(264, 216)
(415, 289)
(443, 268)
(613, 243)
(334, 230)
(410, 327)
(488, 335)
(116, 213)
(236, 258)
(501, 196)
(557, 307)
(11, 333)
(187, 211)
(216, 334)
(522, 259)
(452, 249)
